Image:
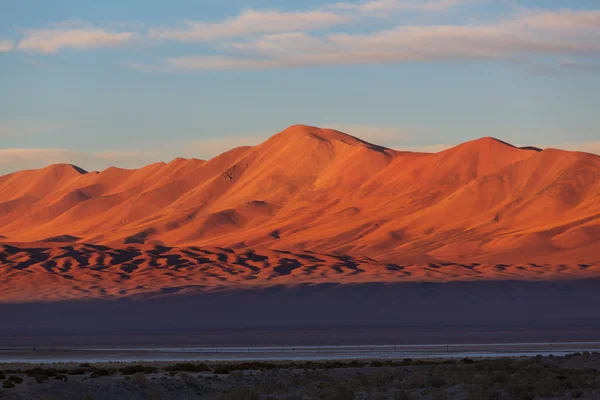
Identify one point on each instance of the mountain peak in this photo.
(299, 131)
(64, 169)
(496, 144)
(491, 141)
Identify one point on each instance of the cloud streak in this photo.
(378, 6)
(261, 22)
(74, 35)
(545, 33)
(6, 45)
(250, 22)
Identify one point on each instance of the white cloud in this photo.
(377, 6)
(260, 22)
(6, 45)
(71, 34)
(250, 22)
(528, 34)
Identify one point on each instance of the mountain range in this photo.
(306, 205)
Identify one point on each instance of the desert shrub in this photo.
(77, 371)
(376, 364)
(520, 391)
(40, 371)
(101, 371)
(94, 375)
(134, 369)
(188, 367)
(8, 385)
(40, 377)
(467, 360)
(416, 380)
(437, 381)
(15, 379)
(241, 393)
(482, 391)
(139, 378)
(60, 377)
(2, 376)
(221, 370)
(84, 365)
(499, 376)
(341, 392)
(190, 380)
(550, 386)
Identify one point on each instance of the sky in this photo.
(128, 83)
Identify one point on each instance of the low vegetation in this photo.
(574, 376)
(8, 385)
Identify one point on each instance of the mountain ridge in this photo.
(307, 188)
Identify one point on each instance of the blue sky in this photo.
(129, 83)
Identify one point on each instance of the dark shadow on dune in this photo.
(140, 237)
(286, 266)
(62, 239)
(532, 148)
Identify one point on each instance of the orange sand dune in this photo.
(307, 189)
(83, 271)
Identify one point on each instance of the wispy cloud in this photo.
(250, 22)
(6, 45)
(378, 6)
(530, 33)
(261, 22)
(577, 66)
(71, 34)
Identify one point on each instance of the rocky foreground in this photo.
(572, 376)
